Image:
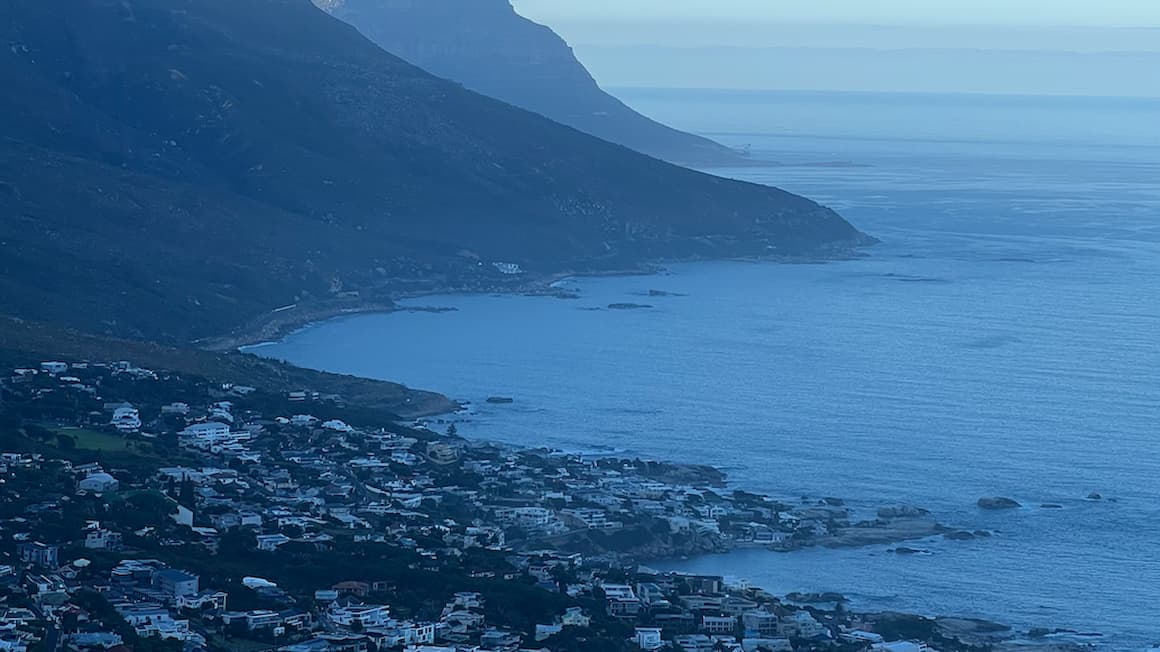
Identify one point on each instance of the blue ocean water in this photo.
(1001, 341)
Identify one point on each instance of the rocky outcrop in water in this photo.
(995, 503)
(902, 511)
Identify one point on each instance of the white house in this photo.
(859, 636)
(337, 426)
(528, 517)
(102, 539)
(54, 367)
(183, 516)
(544, 632)
(126, 419)
(575, 617)
(270, 542)
(802, 625)
(209, 430)
(403, 634)
(100, 483)
(364, 614)
(899, 646)
(649, 638)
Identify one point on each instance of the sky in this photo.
(1037, 47)
(1086, 13)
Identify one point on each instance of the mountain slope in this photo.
(171, 169)
(23, 342)
(489, 48)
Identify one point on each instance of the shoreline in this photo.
(841, 526)
(864, 534)
(286, 320)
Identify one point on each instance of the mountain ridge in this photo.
(490, 48)
(174, 169)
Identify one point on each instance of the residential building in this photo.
(718, 624)
(766, 644)
(649, 638)
(359, 615)
(575, 617)
(498, 639)
(176, 583)
(544, 632)
(102, 539)
(620, 601)
(270, 542)
(801, 624)
(760, 624)
(39, 554)
(126, 420)
(100, 483)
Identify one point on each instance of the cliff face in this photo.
(489, 48)
(171, 169)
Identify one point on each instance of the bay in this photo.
(1001, 341)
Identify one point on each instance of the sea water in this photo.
(1002, 340)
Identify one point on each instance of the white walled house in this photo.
(126, 419)
(99, 483)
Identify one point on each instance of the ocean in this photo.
(1001, 341)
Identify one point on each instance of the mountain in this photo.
(489, 48)
(174, 169)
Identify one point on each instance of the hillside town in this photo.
(145, 510)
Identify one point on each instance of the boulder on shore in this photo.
(902, 511)
(997, 503)
(815, 598)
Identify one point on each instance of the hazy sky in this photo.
(1118, 13)
(814, 44)
(1073, 25)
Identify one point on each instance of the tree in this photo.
(291, 530)
(68, 622)
(185, 493)
(39, 433)
(64, 442)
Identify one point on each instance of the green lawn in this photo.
(100, 441)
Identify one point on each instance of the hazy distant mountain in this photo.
(861, 69)
(173, 168)
(489, 48)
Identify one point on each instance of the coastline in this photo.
(286, 320)
(888, 532)
(910, 524)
